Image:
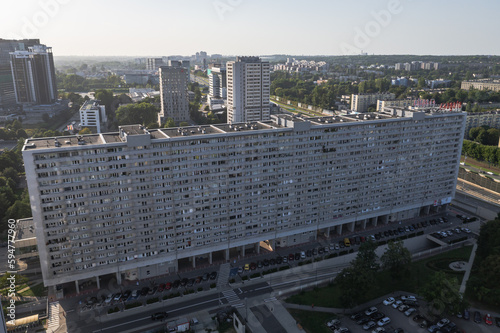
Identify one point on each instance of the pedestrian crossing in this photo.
(223, 279)
(53, 320)
(232, 298)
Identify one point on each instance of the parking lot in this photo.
(413, 321)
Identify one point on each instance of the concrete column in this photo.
(194, 261)
(351, 226)
(77, 287)
(258, 247)
(374, 221)
(118, 278)
(363, 224)
(339, 229)
(210, 258)
(98, 282)
(272, 243)
(427, 209)
(328, 232)
(226, 251)
(385, 219)
(243, 251)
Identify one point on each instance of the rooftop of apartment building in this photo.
(279, 121)
(90, 104)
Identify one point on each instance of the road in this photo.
(201, 80)
(261, 288)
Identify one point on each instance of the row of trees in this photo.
(485, 135)
(490, 154)
(486, 270)
(73, 82)
(359, 277)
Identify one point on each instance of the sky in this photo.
(255, 27)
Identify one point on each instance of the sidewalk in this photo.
(468, 269)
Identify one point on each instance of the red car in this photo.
(488, 320)
(168, 286)
(161, 287)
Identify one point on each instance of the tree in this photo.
(442, 294)
(366, 257)
(169, 123)
(84, 131)
(141, 113)
(183, 124)
(396, 258)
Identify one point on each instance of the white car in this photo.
(396, 304)
(333, 323)
(384, 321)
(371, 311)
(389, 301)
(442, 322)
(108, 299)
(368, 325)
(410, 311)
(379, 330)
(408, 298)
(466, 230)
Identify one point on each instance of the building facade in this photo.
(493, 85)
(217, 83)
(93, 115)
(248, 89)
(361, 102)
(381, 104)
(136, 202)
(476, 119)
(174, 81)
(7, 93)
(153, 64)
(34, 75)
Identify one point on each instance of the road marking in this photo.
(129, 322)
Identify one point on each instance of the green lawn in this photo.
(419, 272)
(37, 290)
(312, 322)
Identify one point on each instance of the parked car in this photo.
(418, 318)
(363, 320)
(389, 301)
(466, 314)
(408, 298)
(370, 311)
(497, 321)
(108, 299)
(213, 275)
(403, 307)
(168, 285)
(396, 304)
(206, 276)
(302, 255)
(356, 316)
(433, 328)
(477, 317)
(377, 316)
(384, 321)
(488, 320)
(334, 323)
(159, 316)
(161, 287)
(368, 325)
(410, 311)
(279, 260)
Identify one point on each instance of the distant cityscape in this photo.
(141, 176)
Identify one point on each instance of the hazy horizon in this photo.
(241, 27)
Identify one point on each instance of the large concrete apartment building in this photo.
(248, 89)
(484, 84)
(174, 80)
(137, 202)
(361, 102)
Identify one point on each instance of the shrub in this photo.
(232, 280)
(255, 275)
(133, 305)
(152, 300)
(113, 310)
(245, 278)
(283, 268)
(200, 288)
(213, 285)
